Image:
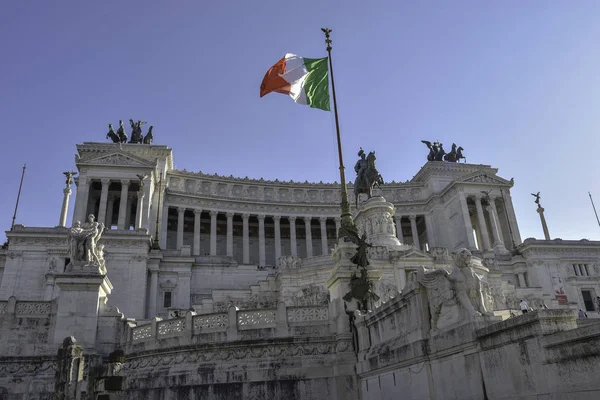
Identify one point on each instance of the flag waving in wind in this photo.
(305, 80)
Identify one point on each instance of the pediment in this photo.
(412, 253)
(482, 177)
(118, 159)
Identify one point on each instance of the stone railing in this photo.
(235, 324)
(26, 308)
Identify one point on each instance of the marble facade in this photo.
(259, 261)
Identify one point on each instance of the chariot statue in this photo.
(367, 175)
(136, 131)
(112, 135)
(121, 133)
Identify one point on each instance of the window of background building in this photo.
(167, 300)
(587, 300)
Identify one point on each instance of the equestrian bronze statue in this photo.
(367, 175)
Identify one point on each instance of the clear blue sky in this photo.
(517, 84)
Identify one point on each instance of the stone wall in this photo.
(542, 354)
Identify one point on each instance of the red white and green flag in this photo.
(305, 80)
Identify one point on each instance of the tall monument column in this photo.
(540, 211)
(293, 245)
(414, 231)
(324, 249)
(482, 225)
(213, 233)
(245, 239)
(261, 241)
(197, 214)
(103, 200)
(123, 203)
(277, 220)
(229, 234)
(308, 235)
(65, 204)
(180, 221)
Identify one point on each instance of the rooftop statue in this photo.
(367, 175)
(437, 152)
(149, 138)
(121, 132)
(455, 154)
(112, 135)
(537, 198)
(136, 131)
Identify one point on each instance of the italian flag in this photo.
(305, 80)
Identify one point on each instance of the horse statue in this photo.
(121, 132)
(455, 155)
(136, 131)
(367, 175)
(112, 135)
(149, 138)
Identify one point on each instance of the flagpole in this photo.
(346, 216)
(592, 200)
(18, 197)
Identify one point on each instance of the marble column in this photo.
(229, 234)
(83, 192)
(109, 211)
(213, 233)
(164, 224)
(324, 249)
(65, 206)
(138, 212)
(466, 219)
(398, 220)
(308, 235)
(180, 222)
(495, 225)
(277, 220)
(512, 218)
(261, 241)
(293, 245)
(153, 293)
(429, 230)
(103, 200)
(414, 232)
(246, 239)
(123, 204)
(483, 231)
(197, 214)
(338, 225)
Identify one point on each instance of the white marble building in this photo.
(199, 267)
(220, 236)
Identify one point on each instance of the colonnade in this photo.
(127, 192)
(292, 221)
(482, 230)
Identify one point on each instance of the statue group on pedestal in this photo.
(455, 295)
(83, 244)
(367, 175)
(437, 152)
(120, 136)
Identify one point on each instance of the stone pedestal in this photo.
(78, 302)
(375, 218)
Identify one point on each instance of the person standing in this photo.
(524, 306)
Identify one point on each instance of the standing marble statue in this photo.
(83, 239)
